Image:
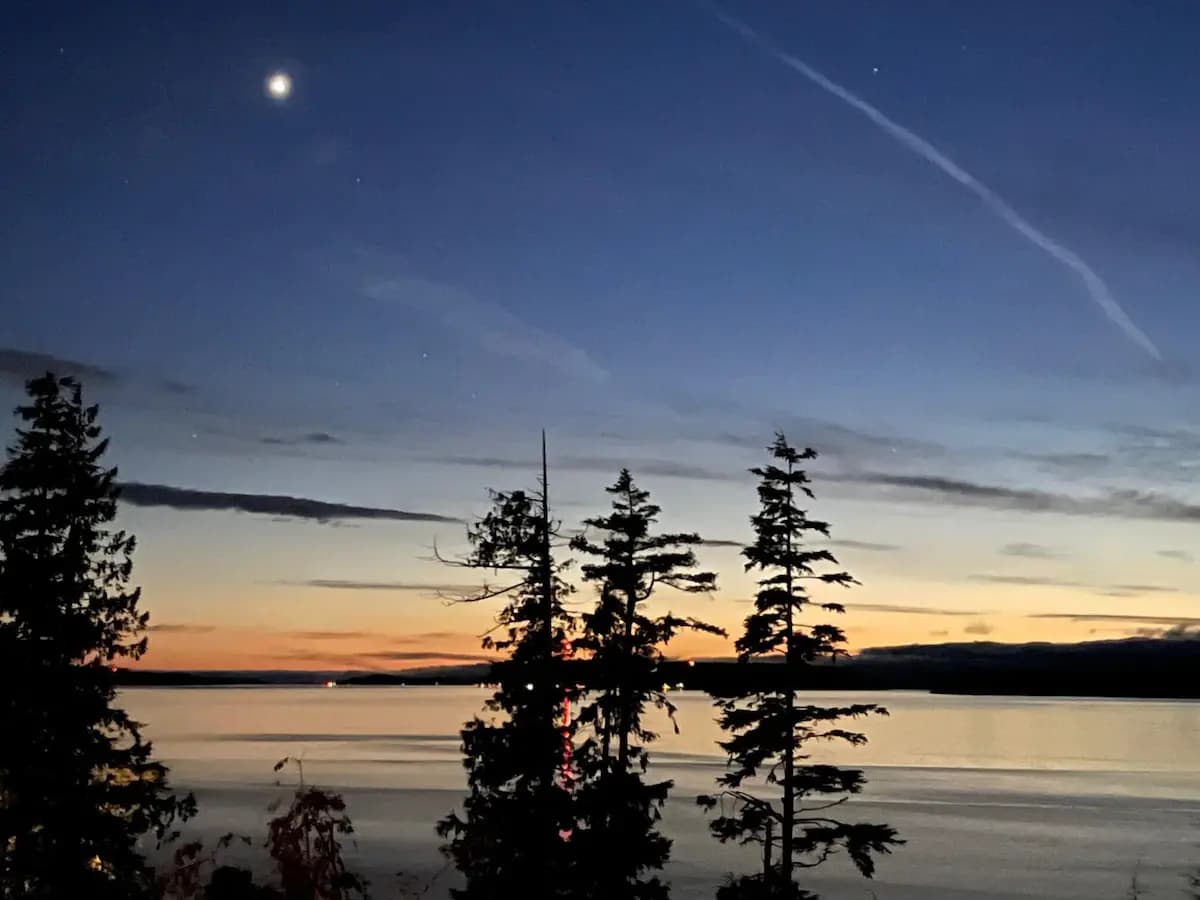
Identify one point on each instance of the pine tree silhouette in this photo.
(771, 730)
(513, 837)
(617, 841)
(78, 786)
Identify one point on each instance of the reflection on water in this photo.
(998, 797)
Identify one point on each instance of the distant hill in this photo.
(172, 678)
(1134, 667)
(994, 651)
(214, 678)
(469, 674)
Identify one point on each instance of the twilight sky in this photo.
(657, 236)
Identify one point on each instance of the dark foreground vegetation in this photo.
(559, 801)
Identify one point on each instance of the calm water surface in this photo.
(996, 796)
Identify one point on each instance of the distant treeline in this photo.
(1136, 667)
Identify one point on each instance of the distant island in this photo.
(1133, 667)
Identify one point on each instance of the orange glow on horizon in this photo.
(377, 634)
(216, 648)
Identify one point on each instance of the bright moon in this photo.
(279, 85)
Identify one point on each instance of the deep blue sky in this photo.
(625, 223)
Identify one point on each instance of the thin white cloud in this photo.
(487, 324)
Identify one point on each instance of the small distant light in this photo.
(529, 686)
(331, 684)
(691, 662)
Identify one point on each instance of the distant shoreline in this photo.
(1135, 668)
(201, 684)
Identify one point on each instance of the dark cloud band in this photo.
(161, 495)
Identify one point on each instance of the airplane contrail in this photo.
(1095, 285)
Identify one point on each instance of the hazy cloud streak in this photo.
(865, 545)
(329, 635)
(912, 610)
(345, 584)
(313, 437)
(409, 655)
(181, 628)
(1113, 617)
(491, 326)
(1114, 590)
(1028, 551)
(162, 495)
(1181, 555)
(1119, 503)
(662, 468)
(1027, 580)
(20, 365)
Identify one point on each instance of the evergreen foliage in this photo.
(513, 837)
(79, 788)
(772, 731)
(617, 842)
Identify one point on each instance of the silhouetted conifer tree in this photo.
(617, 843)
(513, 837)
(78, 787)
(772, 730)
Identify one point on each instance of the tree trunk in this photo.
(545, 689)
(626, 689)
(789, 756)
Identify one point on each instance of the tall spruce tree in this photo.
(617, 843)
(772, 730)
(513, 837)
(78, 787)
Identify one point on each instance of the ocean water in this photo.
(997, 797)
